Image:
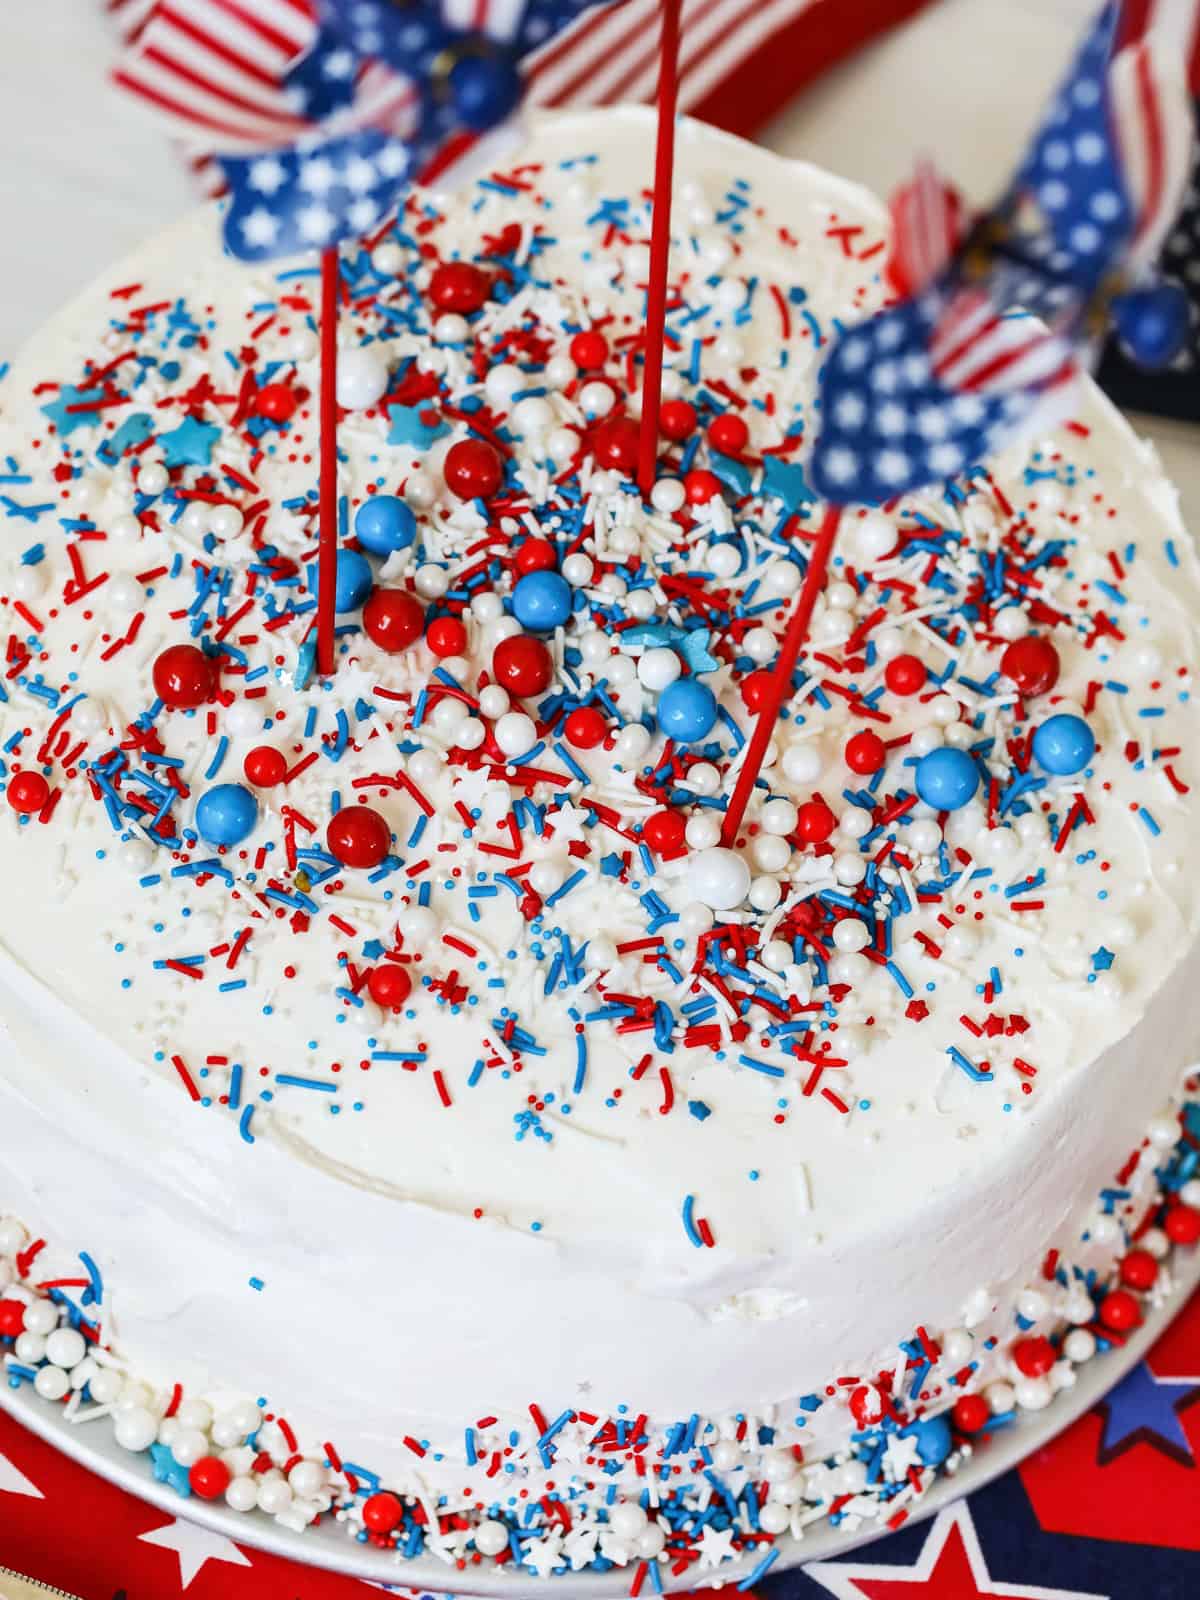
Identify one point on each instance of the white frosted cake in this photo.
(410, 1114)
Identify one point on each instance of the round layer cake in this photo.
(403, 1051)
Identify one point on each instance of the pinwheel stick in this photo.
(327, 513)
(781, 677)
(660, 244)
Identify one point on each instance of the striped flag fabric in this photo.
(934, 384)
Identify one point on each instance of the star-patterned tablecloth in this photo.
(1110, 1510)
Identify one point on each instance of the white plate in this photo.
(94, 1447)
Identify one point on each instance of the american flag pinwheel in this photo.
(998, 316)
(320, 111)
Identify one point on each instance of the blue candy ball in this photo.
(485, 89)
(933, 1439)
(542, 601)
(226, 814)
(946, 778)
(383, 524)
(1063, 744)
(354, 580)
(687, 710)
(1153, 324)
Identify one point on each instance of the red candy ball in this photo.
(446, 636)
(664, 831)
(12, 1318)
(1032, 664)
(1033, 1357)
(1139, 1270)
(393, 619)
(184, 677)
(358, 837)
(1182, 1224)
(589, 350)
(473, 469)
(815, 822)
(615, 444)
(459, 286)
(1120, 1311)
(209, 1477)
(536, 555)
(754, 688)
(522, 665)
(971, 1413)
(700, 487)
(905, 674)
(277, 402)
(27, 793)
(585, 728)
(677, 420)
(728, 434)
(382, 1512)
(865, 752)
(265, 766)
(389, 986)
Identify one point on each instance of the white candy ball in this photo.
(1190, 1193)
(695, 919)
(470, 734)
(419, 491)
(851, 934)
(802, 763)
(703, 831)
(188, 1445)
(1001, 1397)
(362, 377)
(873, 536)
(30, 1348)
(41, 1316)
(1079, 1345)
(578, 569)
(502, 383)
(1104, 1229)
(783, 578)
(66, 1347)
(849, 967)
(490, 1537)
(307, 1478)
(195, 1414)
(957, 1345)
(778, 816)
(703, 778)
(28, 582)
(450, 328)
(724, 560)
(924, 836)
(849, 868)
(765, 893)
(244, 718)
(776, 954)
(960, 941)
(241, 1494)
(226, 521)
(658, 668)
(924, 740)
(126, 529)
(431, 582)
(774, 1518)
(1033, 1394)
(545, 877)
(651, 1541)
(627, 1519)
(1156, 1242)
(83, 1372)
(105, 1386)
(1011, 623)
(718, 878)
(621, 671)
(532, 416)
(561, 445)
(1163, 1131)
(596, 399)
(560, 372)
(668, 496)
(760, 645)
(631, 744)
(640, 604)
(153, 478)
(51, 1383)
(424, 767)
(135, 1429)
(274, 1495)
(601, 954)
(854, 822)
(494, 701)
(515, 733)
(388, 257)
(771, 852)
(246, 1416)
(1032, 1304)
(726, 1455)
(944, 709)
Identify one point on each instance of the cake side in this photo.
(851, 1194)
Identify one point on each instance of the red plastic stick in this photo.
(781, 677)
(660, 243)
(327, 548)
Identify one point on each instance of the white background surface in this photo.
(87, 175)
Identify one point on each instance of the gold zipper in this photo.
(17, 1587)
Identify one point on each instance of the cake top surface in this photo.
(542, 996)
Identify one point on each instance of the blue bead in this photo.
(383, 524)
(354, 580)
(946, 778)
(485, 90)
(1153, 324)
(1063, 744)
(226, 814)
(933, 1439)
(687, 710)
(542, 601)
